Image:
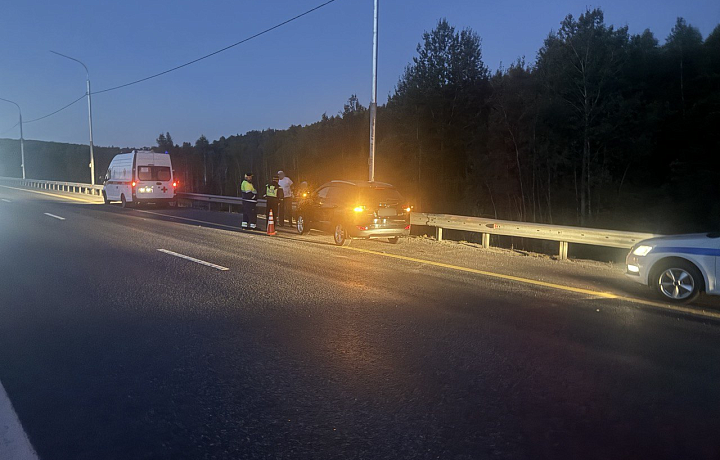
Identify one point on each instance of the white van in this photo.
(138, 177)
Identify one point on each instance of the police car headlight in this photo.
(642, 250)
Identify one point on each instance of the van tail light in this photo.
(175, 184)
(134, 184)
(407, 227)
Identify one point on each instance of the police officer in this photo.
(274, 196)
(249, 196)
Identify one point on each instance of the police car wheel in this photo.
(340, 235)
(677, 281)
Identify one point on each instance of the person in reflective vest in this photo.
(249, 196)
(274, 196)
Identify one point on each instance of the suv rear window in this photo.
(338, 195)
(382, 195)
(154, 173)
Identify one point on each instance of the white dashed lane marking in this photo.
(193, 259)
(14, 443)
(5, 200)
(53, 215)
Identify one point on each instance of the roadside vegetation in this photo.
(602, 128)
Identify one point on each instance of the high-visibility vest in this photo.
(247, 187)
(271, 191)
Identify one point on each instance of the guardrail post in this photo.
(563, 250)
(438, 233)
(486, 240)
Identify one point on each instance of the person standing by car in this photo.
(286, 205)
(274, 196)
(249, 196)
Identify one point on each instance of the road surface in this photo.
(116, 344)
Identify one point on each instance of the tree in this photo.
(202, 146)
(683, 44)
(579, 65)
(442, 94)
(165, 143)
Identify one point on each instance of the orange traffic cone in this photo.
(271, 224)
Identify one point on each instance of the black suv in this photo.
(355, 209)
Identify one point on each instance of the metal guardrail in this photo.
(564, 235)
(72, 187)
(209, 199)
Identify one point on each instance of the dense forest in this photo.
(603, 128)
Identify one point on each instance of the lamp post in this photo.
(373, 96)
(22, 141)
(92, 156)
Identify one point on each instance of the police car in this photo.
(677, 267)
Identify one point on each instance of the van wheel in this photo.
(105, 198)
(394, 240)
(302, 226)
(677, 281)
(123, 201)
(340, 235)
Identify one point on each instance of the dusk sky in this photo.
(290, 76)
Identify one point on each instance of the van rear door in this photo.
(154, 182)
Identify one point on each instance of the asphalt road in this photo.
(111, 349)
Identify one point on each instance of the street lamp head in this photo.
(73, 59)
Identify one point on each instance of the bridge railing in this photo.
(210, 199)
(60, 186)
(564, 235)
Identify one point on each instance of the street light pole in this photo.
(22, 141)
(373, 96)
(92, 156)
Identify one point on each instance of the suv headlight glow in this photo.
(642, 250)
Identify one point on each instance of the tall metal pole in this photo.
(22, 146)
(92, 156)
(373, 100)
(22, 141)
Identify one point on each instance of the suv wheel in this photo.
(394, 240)
(302, 226)
(340, 235)
(677, 281)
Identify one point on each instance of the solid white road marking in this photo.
(6, 201)
(53, 215)
(14, 443)
(193, 259)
